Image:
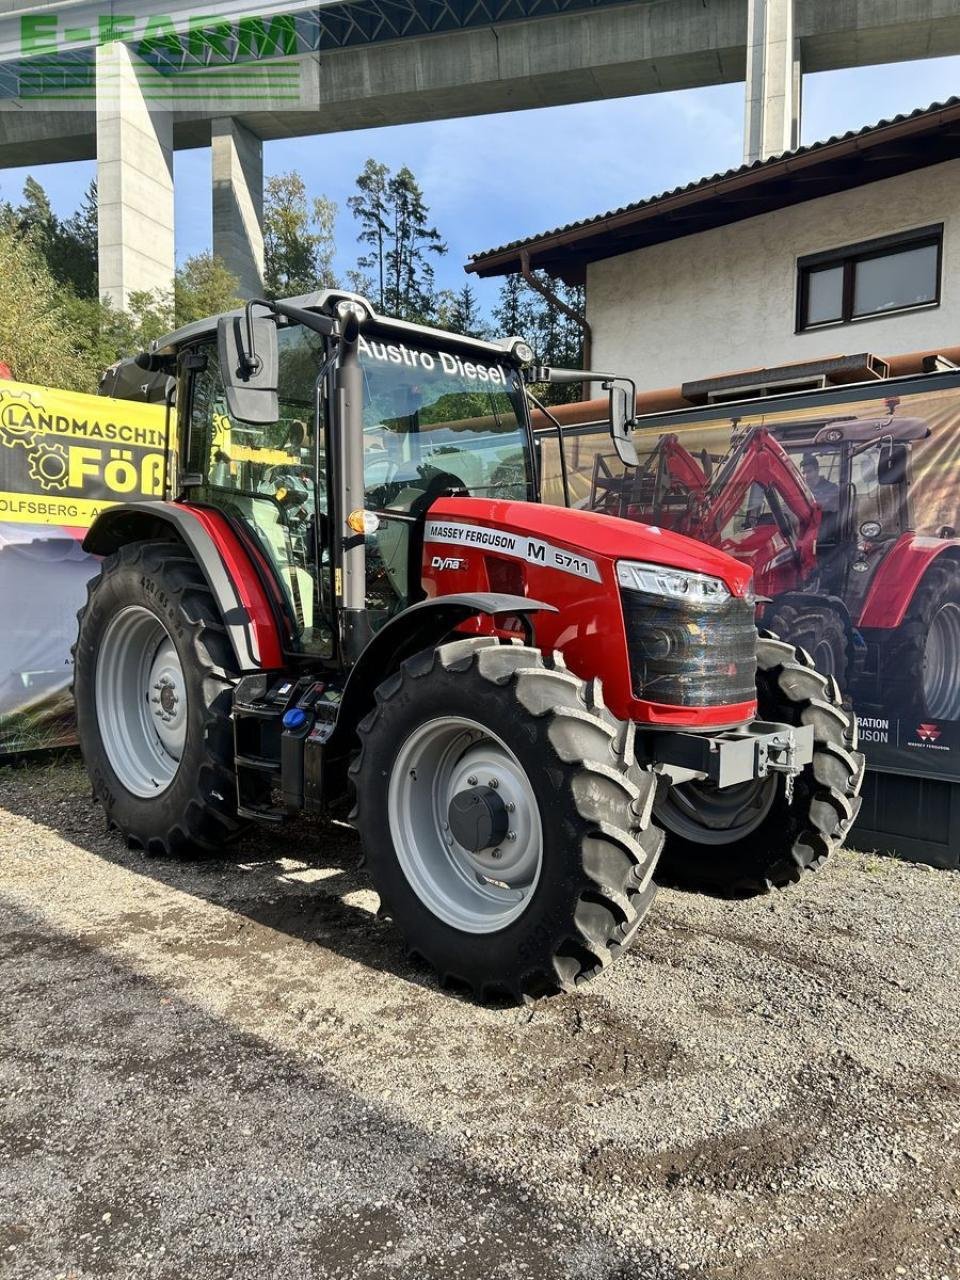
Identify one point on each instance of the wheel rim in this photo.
(941, 656)
(824, 658)
(706, 814)
(474, 890)
(141, 701)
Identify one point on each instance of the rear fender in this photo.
(898, 576)
(223, 560)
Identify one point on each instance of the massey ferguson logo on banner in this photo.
(928, 732)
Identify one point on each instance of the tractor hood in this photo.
(592, 532)
(568, 559)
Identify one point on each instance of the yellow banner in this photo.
(64, 455)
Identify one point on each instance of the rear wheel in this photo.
(153, 679)
(752, 838)
(506, 825)
(921, 659)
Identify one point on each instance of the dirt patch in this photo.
(230, 1068)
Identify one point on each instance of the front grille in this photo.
(685, 654)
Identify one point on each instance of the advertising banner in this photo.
(848, 511)
(63, 458)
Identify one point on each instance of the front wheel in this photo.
(153, 681)
(506, 825)
(753, 837)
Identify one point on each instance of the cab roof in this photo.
(325, 302)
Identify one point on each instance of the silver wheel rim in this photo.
(706, 814)
(941, 664)
(476, 892)
(823, 658)
(141, 701)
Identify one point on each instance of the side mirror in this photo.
(892, 465)
(622, 414)
(249, 368)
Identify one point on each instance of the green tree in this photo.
(370, 207)
(556, 338)
(298, 237)
(38, 337)
(34, 216)
(73, 250)
(395, 223)
(460, 312)
(203, 286)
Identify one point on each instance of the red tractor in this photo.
(820, 509)
(354, 588)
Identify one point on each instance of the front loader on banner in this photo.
(354, 590)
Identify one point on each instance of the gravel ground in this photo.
(228, 1069)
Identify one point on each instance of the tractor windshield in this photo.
(435, 420)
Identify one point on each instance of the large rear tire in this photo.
(506, 825)
(153, 681)
(920, 662)
(751, 838)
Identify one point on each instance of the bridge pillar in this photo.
(134, 177)
(237, 164)
(772, 117)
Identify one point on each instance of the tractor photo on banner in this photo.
(847, 511)
(64, 457)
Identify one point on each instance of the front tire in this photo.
(748, 839)
(153, 681)
(505, 823)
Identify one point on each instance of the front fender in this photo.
(420, 627)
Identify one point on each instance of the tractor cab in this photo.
(857, 470)
(438, 414)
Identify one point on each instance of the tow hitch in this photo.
(738, 755)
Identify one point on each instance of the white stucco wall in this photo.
(725, 299)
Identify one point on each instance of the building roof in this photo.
(927, 136)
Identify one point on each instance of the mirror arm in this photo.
(311, 319)
(564, 478)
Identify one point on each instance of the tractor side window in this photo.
(263, 475)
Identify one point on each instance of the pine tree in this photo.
(555, 337)
(72, 248)
(394, 222)
(460, 312)
(370, 208)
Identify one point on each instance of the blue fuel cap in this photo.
(295, 718)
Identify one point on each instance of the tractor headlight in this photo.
(675, 584)
(523, 352)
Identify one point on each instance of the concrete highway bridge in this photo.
(129, 81)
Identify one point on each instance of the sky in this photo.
(491, 179)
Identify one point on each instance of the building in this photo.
(845, 246)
